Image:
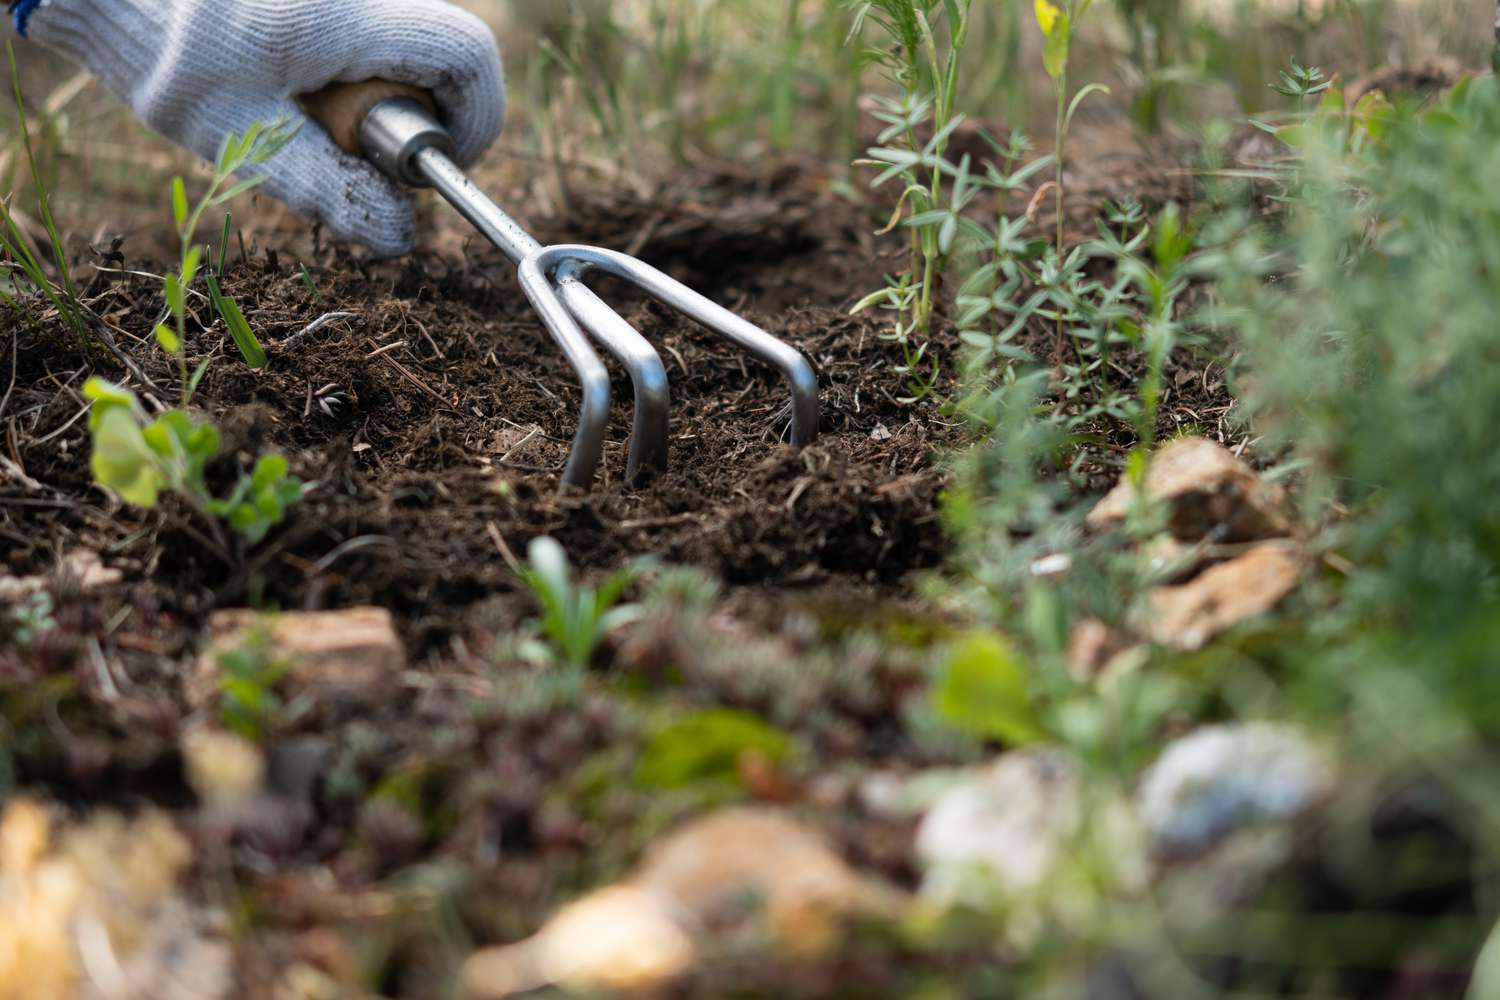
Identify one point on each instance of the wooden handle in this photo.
(341, 108)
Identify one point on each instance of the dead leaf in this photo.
(1189, 615)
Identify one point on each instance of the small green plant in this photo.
(248, 703)
(22, 263)
(708, 749)
(1301, 81)
(575, 618)
(140, 458)
(924, 41)
(30, 618)
(985, 689)
(1058, 25)
(239, 153)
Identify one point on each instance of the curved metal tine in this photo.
(739, 331)
(593, 414)
(648, 434)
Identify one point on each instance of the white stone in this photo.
(1220, 779)
(1002, 831)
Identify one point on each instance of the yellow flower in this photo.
(1046, 16)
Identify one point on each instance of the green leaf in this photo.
(550, 564)
(1079, 98)
(121, 460)
(248, 184)
(107, 395)
(223, 246)
(269, 470)
(244, 338)
(176, 298)
(984, 690)
(190, 262)
(198, 374)
(179, 202)
(167, 338)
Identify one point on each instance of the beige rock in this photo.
(222, 767)
(708, 866)
(1189, 615)
(350, 653)
(90, 910)
(692, 884)
(622, 938)
(1208, 490)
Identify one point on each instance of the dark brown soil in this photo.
(435, 417)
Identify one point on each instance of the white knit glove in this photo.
(197, 70)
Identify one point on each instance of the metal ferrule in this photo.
(395, 131)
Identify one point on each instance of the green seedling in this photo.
(140, 458)
(1058, 26)
(923, 43)
(21, 262)
(239, 153)
(248, 702)
(32, 617)
(575, 618)
(1301, 81)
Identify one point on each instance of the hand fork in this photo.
(394, 127)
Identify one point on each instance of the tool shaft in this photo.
(473, 204)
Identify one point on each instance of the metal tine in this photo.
(648, 440)
(572, 258)
(593, 414)
(649, 430)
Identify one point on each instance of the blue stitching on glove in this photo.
(22, 10)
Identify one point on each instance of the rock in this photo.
(221, 767)
(622, 938)
(351, 654)
(1188, 615)
(1209, 492)
(709, 865)
(737, 873)
(1220, 779)
(91, 910)
(1009, 822)
(1426, 79)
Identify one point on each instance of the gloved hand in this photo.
(197, 70)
